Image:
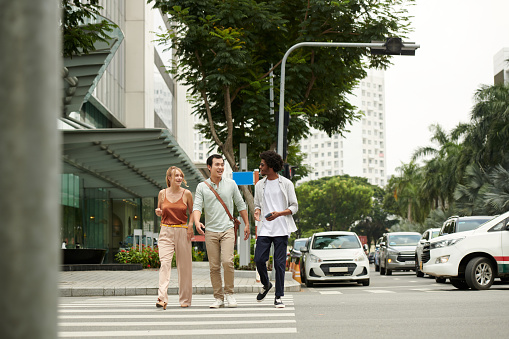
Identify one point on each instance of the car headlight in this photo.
(445, 243)
(360, 257)
(314, 259)
(393, 252)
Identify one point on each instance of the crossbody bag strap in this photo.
(220, 200)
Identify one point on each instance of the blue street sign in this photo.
(243, 178)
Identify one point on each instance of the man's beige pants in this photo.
(174, 240)
(220, 251)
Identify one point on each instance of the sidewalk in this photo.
(145, 282)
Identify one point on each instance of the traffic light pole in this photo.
(373, 45)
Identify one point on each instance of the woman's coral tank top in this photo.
(174, 213)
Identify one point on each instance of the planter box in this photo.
(83, 256)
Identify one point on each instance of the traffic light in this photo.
(289, 171)
(393, 46)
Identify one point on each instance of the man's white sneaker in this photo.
(217, 303)
(230, 299)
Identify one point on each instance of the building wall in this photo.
(361, 152)
(501, 67)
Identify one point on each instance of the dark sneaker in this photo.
(278, 303)
(264, 292)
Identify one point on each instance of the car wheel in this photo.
(309, 283)
(440, 280)
(365, 282)
(418, 272)
(388, 272)
(303, 274)
(479, 273)
(460, 284)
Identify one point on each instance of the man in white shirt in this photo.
(275, 203)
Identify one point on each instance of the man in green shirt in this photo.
(219, 235)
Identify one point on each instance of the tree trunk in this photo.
(227, 148)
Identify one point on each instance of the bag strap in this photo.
(220, 200)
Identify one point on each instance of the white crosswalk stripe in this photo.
(137, 316)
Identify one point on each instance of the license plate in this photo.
(338, 269)
(410, 262)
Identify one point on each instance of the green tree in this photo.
(80, 30)
(332, 203)
(485, 137)
(225, 51)
(376, 221)
(404, 198)
(440, 173)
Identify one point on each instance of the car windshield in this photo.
(326, 242)
(469, 225)
(435, 234)
(404, 239)
(298, 244)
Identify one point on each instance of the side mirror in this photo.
(365, 247)
(304, 249)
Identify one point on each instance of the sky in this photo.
(458, 40)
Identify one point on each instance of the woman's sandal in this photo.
(161, 303)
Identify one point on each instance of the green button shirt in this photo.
(216, 218)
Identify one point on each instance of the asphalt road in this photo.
(397, 306)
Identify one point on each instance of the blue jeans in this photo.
(279, 263)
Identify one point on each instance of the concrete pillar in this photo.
(30, 100)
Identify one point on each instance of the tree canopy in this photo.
(467, 174)
(225, 50)
(79, 28)
(333, 203)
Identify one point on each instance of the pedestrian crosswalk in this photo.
(137, 316)
(398, 289)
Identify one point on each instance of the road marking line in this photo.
(379, 291)
(268, 307)
(204, 332)
(330, 292)
(173, 323)
(150, 306)
(168, 315)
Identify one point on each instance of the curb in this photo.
(290, 286)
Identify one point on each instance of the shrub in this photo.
(147, 256)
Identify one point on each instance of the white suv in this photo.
(472, 259)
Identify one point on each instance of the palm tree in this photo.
(406, 190)
(496, 198)
(440, 172)
(486, 137)
(469, 196)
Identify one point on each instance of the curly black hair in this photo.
(273, 160)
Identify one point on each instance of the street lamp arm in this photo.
(318, 44)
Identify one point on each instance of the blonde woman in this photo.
(174, 206)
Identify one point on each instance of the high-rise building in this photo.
(361, 151)
(501, 66)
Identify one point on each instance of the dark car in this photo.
(376, 259)
(371, 257)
